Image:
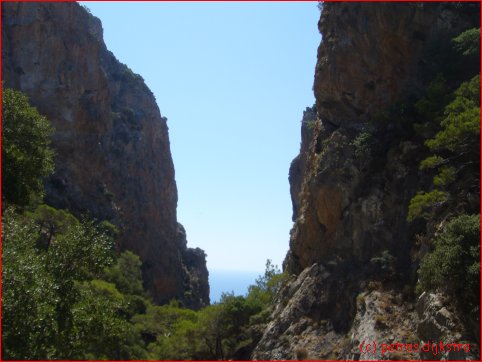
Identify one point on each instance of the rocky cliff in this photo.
(113, 160)
(352, 249)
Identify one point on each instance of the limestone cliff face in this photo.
(371, 52)
(351, 244)
(113, 159)
(370, 55)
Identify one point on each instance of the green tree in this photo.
(461, 125)
(126, 273)
(454, 264)
(99, 330)
(28, 301)
(436, 96)
(51, 221)
(26, 155)
(170, 331)
(181, 338)
(53, 305)
(216, 332)
(81, 253)
(468, 42)
(267, 285)
(41, 286)
(423, 204)
(212, 320)
(455, 147)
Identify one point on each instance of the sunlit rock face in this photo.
(346, 203)
(370, 53)
(351, 247)
(113, 159)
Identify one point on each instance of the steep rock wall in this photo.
(350, 246)
(371, 52)
(113, 160)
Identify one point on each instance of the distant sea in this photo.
(230, 281)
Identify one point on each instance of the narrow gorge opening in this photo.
(130, 236)
(233, 80)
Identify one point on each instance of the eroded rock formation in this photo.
(350, 247)
(113, 160)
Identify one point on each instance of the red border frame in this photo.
(374, 1)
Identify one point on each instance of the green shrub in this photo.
(461, 125)
(52, 309)
(362, 144)
(445, 177)
(28, 300)
(99, 330)
(385, 260)
(468, 42)
(310, 124)
(126, 273)
(267, 285)
(454, 264)
(458, 142)
(26, 154)
(422, 204)
(436, 96)
(431, 162)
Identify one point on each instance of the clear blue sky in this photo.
(233, 80)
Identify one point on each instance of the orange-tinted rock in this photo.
(370, 55)
(352, 276)
(113, 159)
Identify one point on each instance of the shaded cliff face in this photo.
(370, 53)
(351, 247)
(113, 160)
(348, 203)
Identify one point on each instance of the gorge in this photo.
(112, 146)
(385, 245)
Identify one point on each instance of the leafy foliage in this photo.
(456, 145)
(267, 285)
(385, 261)
(126, 274)
(26, 156)
(362, 144)
(454, 264)
(445, 177)
(468, 42)
(450, 124)
(461, 125)
(53, 307)
(431, 162)
(50, 221)
(175, 332)
(437, 95)
(29, 298)
(99, 329)
(217, 331)
(41, 285)
(421, 205)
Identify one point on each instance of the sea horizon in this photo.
(227, 281)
